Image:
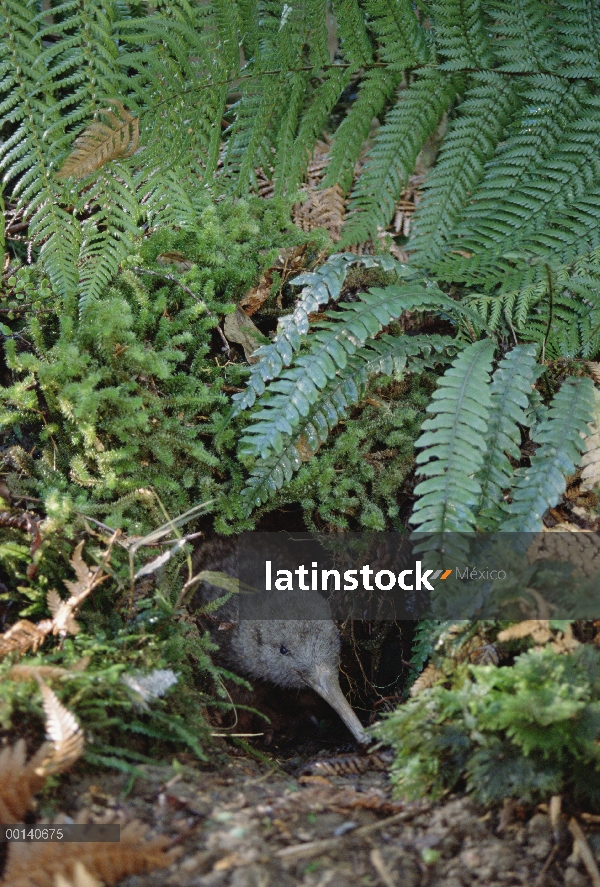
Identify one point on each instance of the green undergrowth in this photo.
(357, 478)
(526, 730)
(104, 413)
(139, 674)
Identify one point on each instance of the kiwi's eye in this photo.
(283, 650)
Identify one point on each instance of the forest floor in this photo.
(277, 821)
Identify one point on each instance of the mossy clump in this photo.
(106, 413)
(527, 730)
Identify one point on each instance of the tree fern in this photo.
(453, 445)
(462, 34)
(524, 41)
(355, 42)
(376, 89)
(579, 27)
(472, 141)
(520, 183)
(403, 40)
(31, 109)
(392, 158)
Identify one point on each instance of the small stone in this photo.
(574, 878)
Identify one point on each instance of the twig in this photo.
(381, 868)
(243, 735)
(186, 289)
(509, 321)
(539, 881)
(582, 847)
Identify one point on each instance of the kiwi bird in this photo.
(291, 653)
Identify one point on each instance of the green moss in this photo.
(124, 402)
(524, 731)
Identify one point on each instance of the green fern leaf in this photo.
(510, 391)
(523, 41)
(392, 158)
(355, 42)
(403, 39)
(579, 28)
(561, 437)
(291, 396)
(471, 142)
(453, 445)
(462, 34)
(320, 287)
(388, 355)
(375, 91)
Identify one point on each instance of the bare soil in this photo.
(251, 823)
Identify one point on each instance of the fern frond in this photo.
(550, 105)
(590, 463)
(561, 437)
(314, 119)
(392, 158)
(375, 91)
(102, 142)
(402, 38)
(461, 34)
(334, 342)
(107, 236)
(388, 355)
(523, 41)
(511, 387)
(471, 142)
(578, 23)
(453, 444)
(30, 108)
(524, 214)
(320, 287)
(355, 43)
(249, 26)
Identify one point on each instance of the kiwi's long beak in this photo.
(324, 681)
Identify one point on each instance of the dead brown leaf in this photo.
(100, 143)
(240, 329)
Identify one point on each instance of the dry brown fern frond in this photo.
(537, 629)
(62, 731)
(568, 543)
(21, 637)
(63, 621)
(428, 677)
(407, 203)
(39, 865)
(24, 635)
(81, 878)
(325, 208)
(20, 779)
(115, 139)
(33, 672)
(540, 632)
